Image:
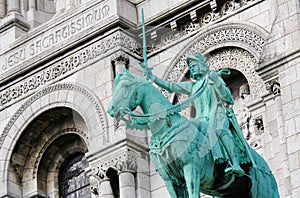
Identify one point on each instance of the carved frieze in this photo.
(55, 35)
(198, 21)
(67, 66)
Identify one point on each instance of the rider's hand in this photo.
(147, 72)
(149, 75)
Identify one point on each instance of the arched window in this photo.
(73, 180)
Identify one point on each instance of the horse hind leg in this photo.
(192, 179)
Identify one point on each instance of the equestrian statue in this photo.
(205, 154)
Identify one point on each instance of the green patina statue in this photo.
(205, 154)
(212, 114)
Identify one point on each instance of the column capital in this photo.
(274, 87)
(119, 58)
(121, 163)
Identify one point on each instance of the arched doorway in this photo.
(51, 142)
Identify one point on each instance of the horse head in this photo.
(126, 94)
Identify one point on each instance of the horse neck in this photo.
(152, 96)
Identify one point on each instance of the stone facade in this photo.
(58, 60)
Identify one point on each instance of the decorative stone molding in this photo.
(57, 87)
(197, 21)
(122, 162)
(77, 131)
(241, 60)
(66, 66)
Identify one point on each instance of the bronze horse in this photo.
(180, 152)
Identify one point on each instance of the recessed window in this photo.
(73, 180)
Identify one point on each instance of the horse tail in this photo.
(263, 181)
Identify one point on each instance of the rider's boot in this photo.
(229, 146)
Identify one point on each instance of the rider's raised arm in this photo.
(177, 87)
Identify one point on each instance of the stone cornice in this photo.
(14, 22)
(193, 21)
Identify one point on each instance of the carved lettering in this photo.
(54, 36)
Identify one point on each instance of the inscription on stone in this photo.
(55, 36)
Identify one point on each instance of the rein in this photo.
(174, 109)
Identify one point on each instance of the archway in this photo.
(59, 97)
(50, 140)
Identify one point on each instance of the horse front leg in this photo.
(192, 179)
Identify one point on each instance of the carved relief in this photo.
(67, 66)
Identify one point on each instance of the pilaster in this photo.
(276, 91)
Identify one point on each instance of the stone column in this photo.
(275, 89)
(127, 184)
(31, 13)
(105, 189)
(2, 9)
(13, 6)
(119, 60)
(32, 4)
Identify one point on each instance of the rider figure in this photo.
(211, 109)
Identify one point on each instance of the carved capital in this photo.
(122, 162)
(118, 60)
(274, 87)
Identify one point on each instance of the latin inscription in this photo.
(54, 37)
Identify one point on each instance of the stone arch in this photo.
(68, 95)
(243, 39)
(242, 61)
